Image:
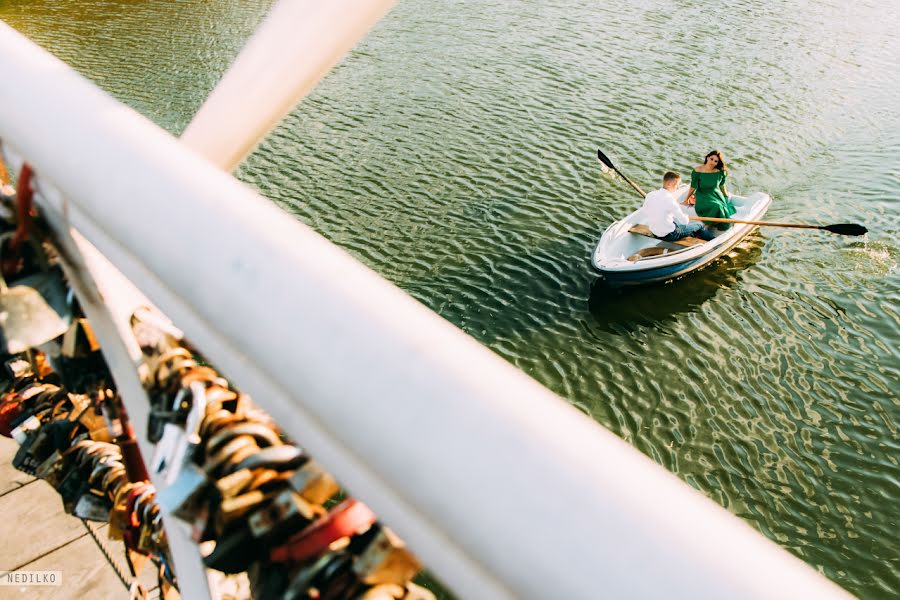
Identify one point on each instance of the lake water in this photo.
(454, 152)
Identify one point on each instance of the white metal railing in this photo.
(499, 486)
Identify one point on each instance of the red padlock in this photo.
(346, 519)
(10, 408)
(132, 526)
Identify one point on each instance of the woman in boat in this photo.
(708, 191)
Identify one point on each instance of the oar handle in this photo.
(765, 223)
(631, 183)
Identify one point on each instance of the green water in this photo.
(454, 152)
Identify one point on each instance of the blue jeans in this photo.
(694, 228)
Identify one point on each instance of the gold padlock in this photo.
(386, 560)
(314, 483)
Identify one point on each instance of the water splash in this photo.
(872, 257)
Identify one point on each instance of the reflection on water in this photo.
(622, 309)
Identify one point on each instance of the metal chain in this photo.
(126, 579)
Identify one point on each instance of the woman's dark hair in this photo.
(718, 154)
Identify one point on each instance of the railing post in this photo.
(498, 485)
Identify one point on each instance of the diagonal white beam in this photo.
(296, 45)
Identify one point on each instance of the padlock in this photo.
(188, 445)
(80, 404)
(10, 409)
(95, 425)
(314, 483)
(34, 309)
(280, 458)
(112, 414)
(216, 420)
(385, 560)
(235, 550)
(92, 507)
(144, 510)
(267, 582)
(18, 368)
(232, 509)
(348, 518)
(28, 400)
(214, 463)
(49, 469)
(166, 409)
(202, 374)
(336, 579)
(177, 449)
(285, 515)
(59, 435)
(25, 428)
(120, 517)
(234, 483)
(88, 455)
(164, 451)
(302, 578)
(149, 509)
(232, 462)
(145, 543)
(71, 487)
(221, 398)
(84, 464)
(263, 435)
(181, 497)
(112, 480)
(158, 535)
(31, 436)
(267, 480)
(131, 531)
(223, 511)
(101, 467)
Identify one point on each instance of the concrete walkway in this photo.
(37, 535)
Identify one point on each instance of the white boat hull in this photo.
(615, 255)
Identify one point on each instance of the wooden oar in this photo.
(609, 164)
(839, 228)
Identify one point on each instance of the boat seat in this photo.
(648, 253)
(686, 242)
(653, 251)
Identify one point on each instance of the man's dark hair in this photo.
(670, 176)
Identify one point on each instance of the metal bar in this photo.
(294, 47)
(499, 486)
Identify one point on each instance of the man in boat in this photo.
(665, 217)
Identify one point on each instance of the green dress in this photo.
(711, 202)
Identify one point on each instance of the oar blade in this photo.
(846, 229)
(604, 159)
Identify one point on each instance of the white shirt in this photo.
(661, 212)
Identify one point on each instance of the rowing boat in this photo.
(628, 254)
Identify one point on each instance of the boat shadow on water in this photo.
(619, 309)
